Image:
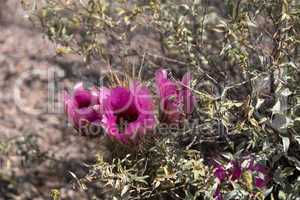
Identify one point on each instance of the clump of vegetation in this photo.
(244, 57)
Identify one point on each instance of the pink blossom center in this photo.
(83, 98)
(122, 102)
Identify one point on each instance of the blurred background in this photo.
(38, 152)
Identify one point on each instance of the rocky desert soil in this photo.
(38, 150)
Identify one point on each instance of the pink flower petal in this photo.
(82, 107)
(188, 98)
(176, 98)
(82, 96)
(220, 173)
(236, 170)
(260, 183)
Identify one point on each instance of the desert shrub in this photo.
(245, 61)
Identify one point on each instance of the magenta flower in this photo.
(128, 113)
(177, 100)
(82, 108)
(235, 171)
(218, 195)
(220, 173)
(262, 178)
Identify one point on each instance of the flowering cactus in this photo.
(128, 113)
(177, 100)
(82, 108)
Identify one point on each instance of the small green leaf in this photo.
(286, 143)
(125, 190)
